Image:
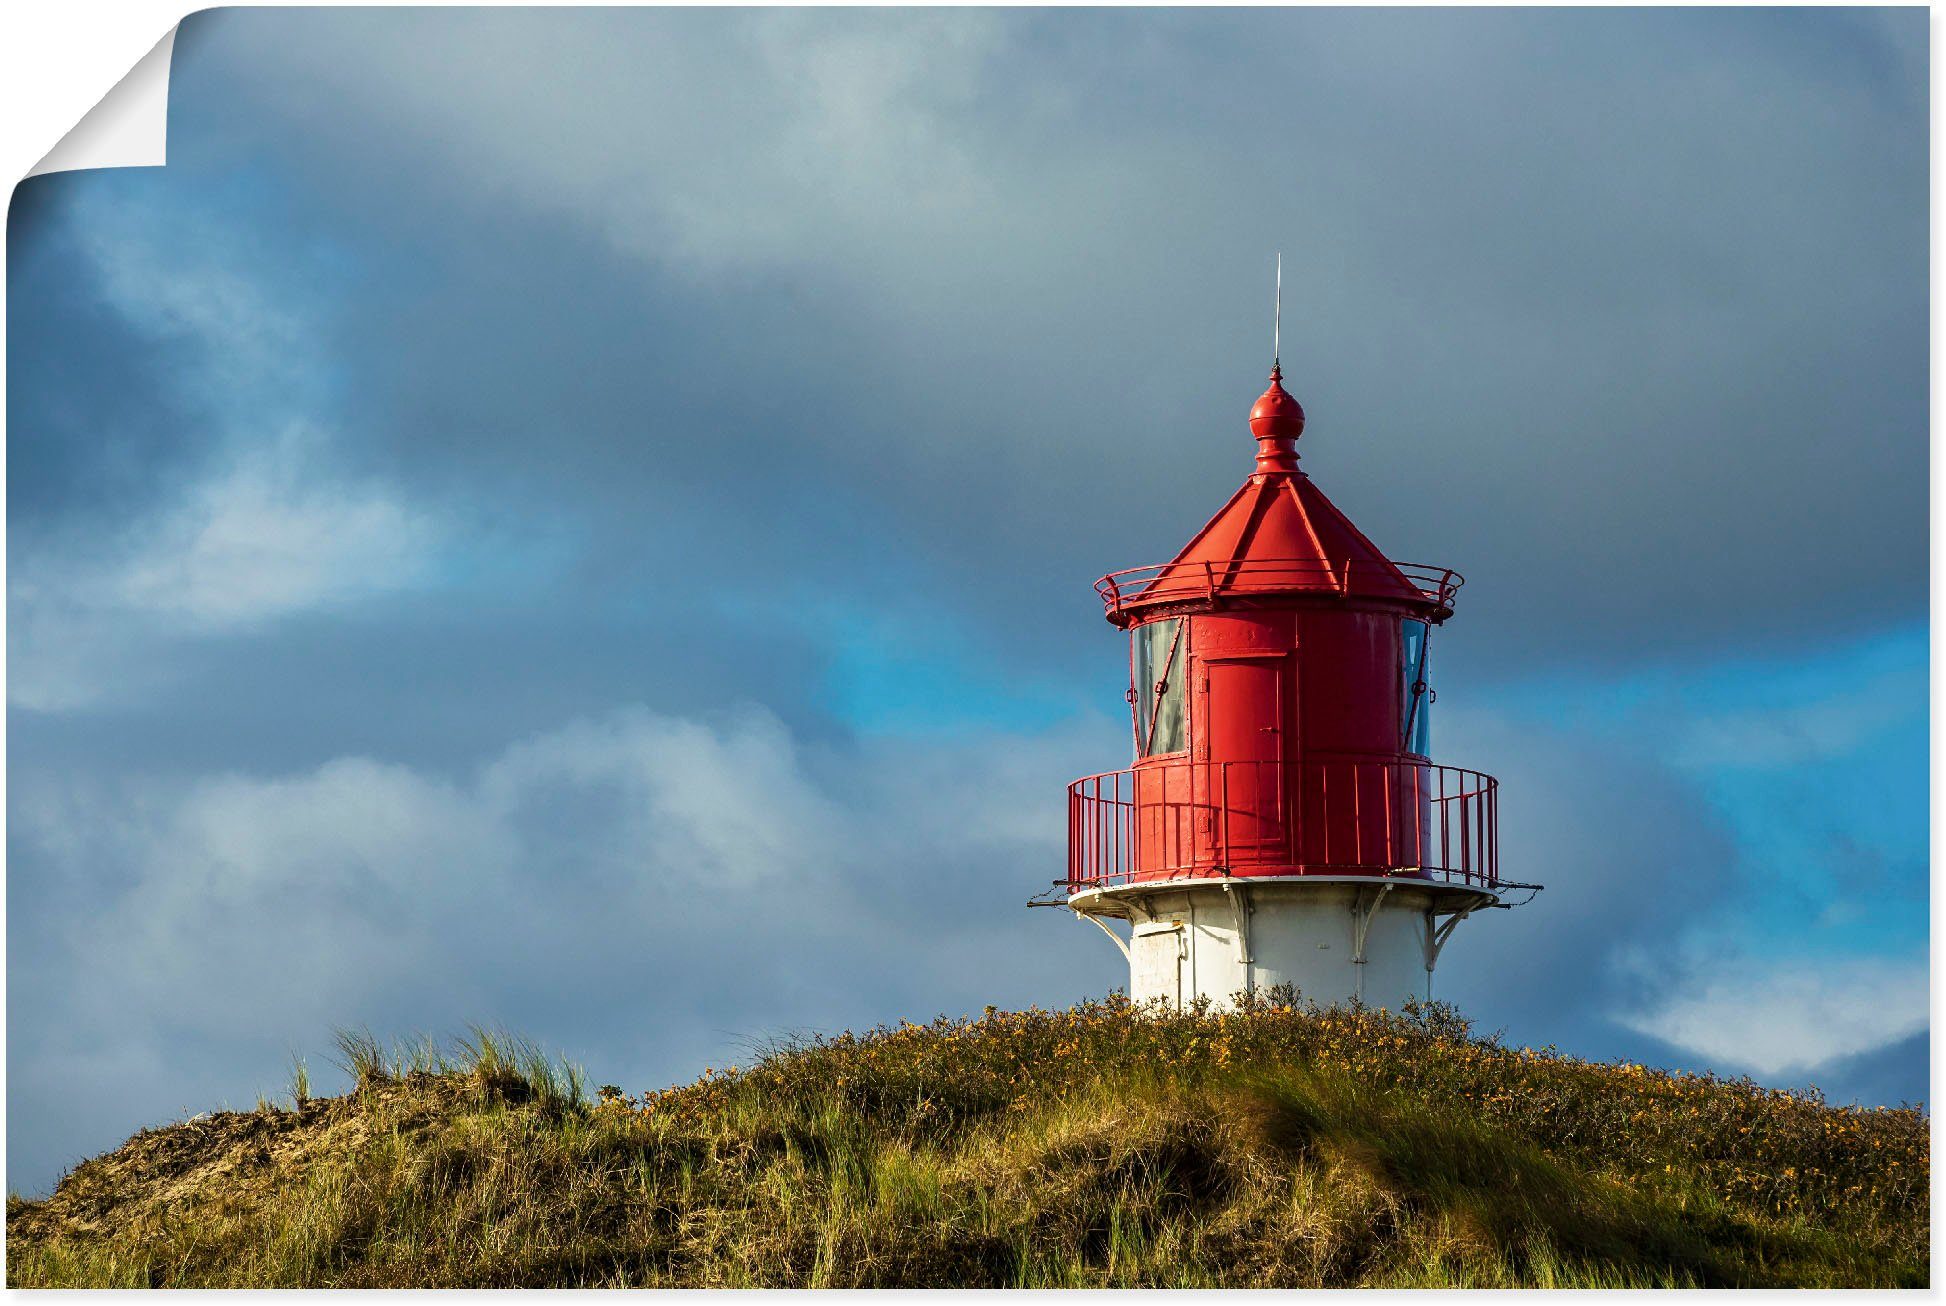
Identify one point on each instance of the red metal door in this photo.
(1246, 756)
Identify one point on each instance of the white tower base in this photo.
(1334, 939)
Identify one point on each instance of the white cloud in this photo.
(735, 142)
(271, 527)
(1788, 1015)
(274, 533)
(637, 888)
(327, 886)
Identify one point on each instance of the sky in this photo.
(582, 521)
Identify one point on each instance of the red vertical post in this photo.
(1324, 808)
(1391, 815)
(1445, 824)
(1123, 826)
(1418, 815)
(1223, 782)
(1070, 839)
(1496, 837)
(1357, 819)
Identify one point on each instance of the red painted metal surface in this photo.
(1276, 420)
(1278, 534)
(1287, 676)
(1185, 819)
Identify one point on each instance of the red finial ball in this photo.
(1276, 414)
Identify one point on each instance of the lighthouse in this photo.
(1282, 821)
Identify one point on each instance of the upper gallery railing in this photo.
(1171, 582)
(1179, 818)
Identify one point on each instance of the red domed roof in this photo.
(1278, 534)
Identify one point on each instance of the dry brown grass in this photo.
(1098, 1146)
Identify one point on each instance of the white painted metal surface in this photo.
(1332, 939)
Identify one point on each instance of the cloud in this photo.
(849, 132)
(643, 889)
(271, 536)
(1788, 1015)
(274, 534)
(980, 272)
(260, 520)
(1617, 837)
(1817, 723)
(649, 888)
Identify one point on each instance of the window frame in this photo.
(1144, 701)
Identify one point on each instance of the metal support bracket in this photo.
(1113, 937)
(1241, 909)
(1363, 909)
(1436, 935)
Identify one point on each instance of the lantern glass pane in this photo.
(1161, 716)
(1415, 646)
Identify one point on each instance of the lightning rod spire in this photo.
(1277, 321)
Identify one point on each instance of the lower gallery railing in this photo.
(1171, 819)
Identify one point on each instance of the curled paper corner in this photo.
(129, 128)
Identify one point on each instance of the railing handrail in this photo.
(1356, 815)
(1118, 589)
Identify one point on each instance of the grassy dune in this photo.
(1097, 1146)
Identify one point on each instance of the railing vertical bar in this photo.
(1479, 812)
(1084, 827)
(1324, 807)
(1445, 825)
(1101, 858)
(1390, 812)
(1081, 833)
(1357, 819)
(1126, 823)
(1088, 829)
(1070, 840)
(1472, 826)
(1480, 827)
(1223, 772)
(1108, 827)
(1418, 816)
(1479, 823)
(1120, 828)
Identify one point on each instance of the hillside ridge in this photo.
(1103, 1145)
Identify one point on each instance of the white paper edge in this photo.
(129, 128)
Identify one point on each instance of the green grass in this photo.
(1095, 1147)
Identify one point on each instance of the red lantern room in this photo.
(1282, 820)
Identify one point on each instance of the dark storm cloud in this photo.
(1889, 1076)
(1581, 302)
(1623, 846)
(79, 367)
